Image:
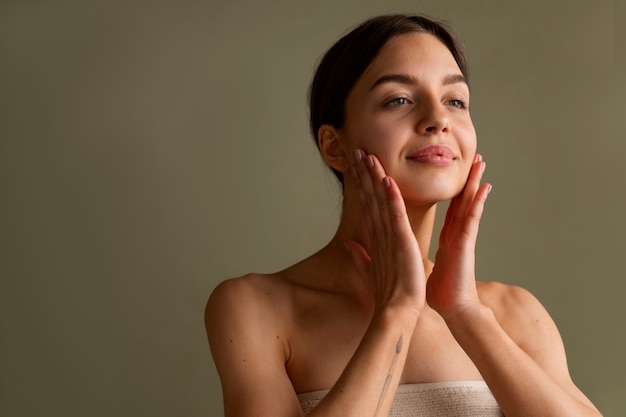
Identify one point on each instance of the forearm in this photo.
(520, 385)
(369, 382)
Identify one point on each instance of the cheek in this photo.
(375, 138)
(363, 138)
(470, 134)
(467, 141)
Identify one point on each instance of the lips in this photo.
(434, 155)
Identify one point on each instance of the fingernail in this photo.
(357, 155)
(483, 165)
(386, 182)
(369, 161)
(489, 187)
(353, 172)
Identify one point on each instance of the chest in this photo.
(323, 340)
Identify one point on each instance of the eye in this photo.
(459, 104)
(397, 101)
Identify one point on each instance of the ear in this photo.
(333, 148)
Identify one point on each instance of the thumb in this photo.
(360, 257)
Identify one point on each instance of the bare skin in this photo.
(369, 311)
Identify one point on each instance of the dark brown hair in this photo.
(345, 62)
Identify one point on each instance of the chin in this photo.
(427, 200)
(430, 192)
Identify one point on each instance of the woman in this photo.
(369, 319)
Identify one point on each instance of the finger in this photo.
(473, 180)
(368, 194)
(467, 230)
(476, 211)
(383, 205)
(393, 220)
(471, 187)
(453, 203)
(357, 172)
(381, 195)
(398, 219)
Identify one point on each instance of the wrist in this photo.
(398, 314)
(471, 316)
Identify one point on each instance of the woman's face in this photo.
(410, 109)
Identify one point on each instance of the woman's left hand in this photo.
(451, 287)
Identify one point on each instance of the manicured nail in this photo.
(369, 161)
(489, 187)
(357, 155)
(386, 182)
(483, 165)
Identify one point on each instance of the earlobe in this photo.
(332, 148)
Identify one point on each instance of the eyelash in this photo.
(395, 102)
(459, 104)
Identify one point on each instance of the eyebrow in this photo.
(410, 80)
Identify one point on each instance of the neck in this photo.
(338, 268)
(352, 227)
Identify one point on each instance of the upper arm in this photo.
(529, 324)
(249, 352)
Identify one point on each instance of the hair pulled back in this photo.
(345, 62)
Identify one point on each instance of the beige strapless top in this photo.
(436, 399)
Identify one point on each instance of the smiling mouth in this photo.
(438, 155)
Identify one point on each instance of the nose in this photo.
(433, 119)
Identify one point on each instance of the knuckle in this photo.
(396, 216)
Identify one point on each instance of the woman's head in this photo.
(345, 62)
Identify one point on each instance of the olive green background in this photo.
(149, 150)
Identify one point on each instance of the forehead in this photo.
(419, 54)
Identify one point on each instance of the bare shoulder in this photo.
(239, 303)
(244, 324)
(242, 317)
(527, 322)
(510, 301)
(530, 326)
(250, 287)
(518, 311)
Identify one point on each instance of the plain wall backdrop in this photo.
(151, 149)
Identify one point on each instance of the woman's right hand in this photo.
(393, 266)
